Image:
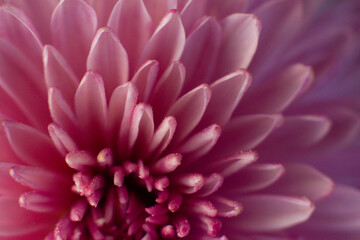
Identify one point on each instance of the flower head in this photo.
(138, 120)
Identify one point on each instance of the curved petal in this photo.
(18, 70)
(58, 73)
(245, 133)
(226, 94)
(73, 27)
(255, 177)
(102, 9)
(200, 52)
(40, 151)
(189, 109)
(167, 90)
(167, 42)
(304, 180)
(129, 19)
(272, 212)
(91, 109)
(158, 8)
(276, 95)
(239, 42)
(18, 29)
(108, 57)
(15, 220)
(144, 79)
(8, 186)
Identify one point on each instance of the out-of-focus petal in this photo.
(200, 52)
(239, 41)
(158, 8)
(271, 213)
(73, 27)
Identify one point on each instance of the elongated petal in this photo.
(58, 73)
(239, 42)
(42, 202)
(192, 11)
(62, 113)
(73, 27)
(226, 94)
(336, 216)
(272, 213)
(144, 79)
(301, 179)
(245, 133)
(17, 70)
(189, 109)
(8, 186)
(41, 179)
(256, 177)
(91, 108)
(15, 220)
(121, 106)
(167, 42)
(162, 136)
(158, 8)
(274, 96)
(33, 146)
(63, 142)
(102, 9)
(108, 57)
(167, 89)
(17, 28)
(200, 52)
(129, 19)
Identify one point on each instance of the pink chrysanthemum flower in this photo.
(118, 120)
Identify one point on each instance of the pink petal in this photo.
(158, 8)
(239, 42)
(9, 109)
(276, 95)
(167, 90)
(121, 106)
(18, 29)
(230, 165)
(129, 19)
(144, 79)
(166, 164)
(62, 141)
(39, 13)
(108, 57)
(41, 179)
(42, 203)
(226, 94)
(17, 70)
(336, 216)
(281, 21)
(223, 9)
(40, 151)
(91, 109)
(200, 52)
(301, 179)
(102, 9)
(15, 220)
(141, 127)
(192, 11)
(200, 143)
(272, 212)
(7, 155)
(58, 73)
(189, 109)
(162, 136)
(211, 185)
(62, 113)
(73, 27)
(245, 133)
(167, 42)
(255, 177)
(8, 186)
